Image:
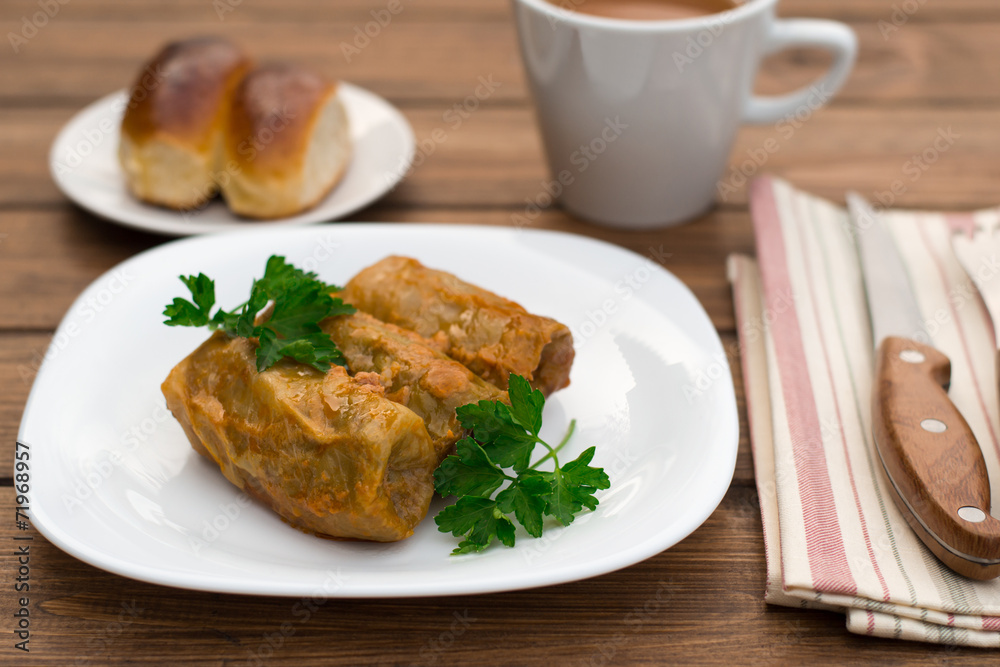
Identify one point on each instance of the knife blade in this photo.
(936, 471)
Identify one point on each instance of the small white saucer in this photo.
(84, 164)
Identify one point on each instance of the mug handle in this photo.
(830, 35)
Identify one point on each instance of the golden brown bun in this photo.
(172, 131)
(287, 143)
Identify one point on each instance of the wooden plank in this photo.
(281, 11)
(494, 157)
(50, 255)
(439, 68)
(71, 62)
(877, 10)
(934, 158)
(311, 11)
(699, 602)
(21, 355)
(744, 471)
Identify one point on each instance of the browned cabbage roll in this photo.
(491, 335)
(412, 372)
(330, 454)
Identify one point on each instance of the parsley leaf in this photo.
(525, 404)
(584, 480)
(289, 302)
(183, 313)
(470, 473)
(278, 272)
(504, 437)
(478, 520)
(525, 498)
(572, 488)
(492, 424)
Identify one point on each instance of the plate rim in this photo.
(202, 581)
(177, 229)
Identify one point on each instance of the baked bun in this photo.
(287, 142)
(172, 132)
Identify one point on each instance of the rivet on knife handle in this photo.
(931, 457)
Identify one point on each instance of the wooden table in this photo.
(940, 69)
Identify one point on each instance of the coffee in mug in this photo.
(646, 10)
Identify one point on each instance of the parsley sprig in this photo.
(499, 455)
(297, 301)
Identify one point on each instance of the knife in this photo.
(935, 468)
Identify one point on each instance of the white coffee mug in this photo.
(638, 117)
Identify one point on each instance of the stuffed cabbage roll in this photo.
(412, 372)
(491, 335)
(328, 453)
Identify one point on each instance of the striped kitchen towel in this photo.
(833, 537)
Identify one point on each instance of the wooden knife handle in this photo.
(935, 467)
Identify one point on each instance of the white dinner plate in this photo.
(115, 483)
(84, 163)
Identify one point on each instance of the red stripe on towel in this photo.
(824, 541)
(943, 275)
(836, 406)
(991, 622)
(966, 222)
(961, 222)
